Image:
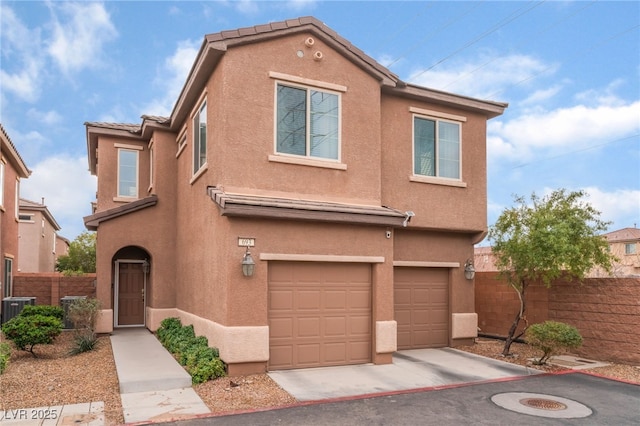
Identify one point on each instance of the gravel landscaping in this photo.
(56, 378)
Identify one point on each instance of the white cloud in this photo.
(541, 95)
(621, 206)
(20, 49)
(577, 127)
(172, 77)
(79, 35)
(246, 7)
(67, 187)
(485, 77)
(44, 117)
(298, 5)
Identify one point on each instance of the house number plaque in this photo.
(246, 242)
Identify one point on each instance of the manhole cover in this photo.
(543, 404)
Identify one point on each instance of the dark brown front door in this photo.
(130, 294)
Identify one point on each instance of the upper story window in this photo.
(436, 148)
(630, 248)
(1, 183)
(200, 138)
(307, 122)
(127, 173)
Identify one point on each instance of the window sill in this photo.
(307, 162)
(199, 173)
(438, 181)
(124, 199)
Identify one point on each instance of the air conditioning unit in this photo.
(65, 302)
(12, 306)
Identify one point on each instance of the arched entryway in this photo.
(131, 266)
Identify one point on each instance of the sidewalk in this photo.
(153, 386)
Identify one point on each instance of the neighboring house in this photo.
(624, 244)
(39, 242)
(12, 169)
(353, 198)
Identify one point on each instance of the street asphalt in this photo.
(562, 399)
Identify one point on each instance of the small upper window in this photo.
(436, 148)
(630, 248)
(1, 183)
(200, 138)
(127, 173)
(307, 122)
(25, 217)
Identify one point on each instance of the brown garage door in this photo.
(421, 303)
(319, 314)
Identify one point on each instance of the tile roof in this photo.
(624, 234)
(93, 221)
(14, 155)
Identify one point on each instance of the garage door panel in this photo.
(335, 327)
(421, 307)
(335, 299)
(319, 314)
(281, 300)
(308, 327)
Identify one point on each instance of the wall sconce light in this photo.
(469, 269)
(248, 265)
(145, 266)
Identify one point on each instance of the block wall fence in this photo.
(49, 288)
(606, 311)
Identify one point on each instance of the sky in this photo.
(569, 70)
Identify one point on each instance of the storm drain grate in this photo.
(543, 404)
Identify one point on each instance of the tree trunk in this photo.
(514, 326)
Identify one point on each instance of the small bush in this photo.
(83, 313)
(5, 354)
(201, 362)
(552, 338)
(26, 331)
(44, 310)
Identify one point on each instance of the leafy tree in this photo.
(81, 257)
(554, 236)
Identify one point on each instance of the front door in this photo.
(130, 297)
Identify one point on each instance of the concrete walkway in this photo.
(411, 369)
(153, 386)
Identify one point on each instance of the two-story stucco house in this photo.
(301, 206)
(12, 169)
(39, 245)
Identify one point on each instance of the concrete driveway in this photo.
(411, 369)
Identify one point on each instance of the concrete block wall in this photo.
(49, 288)
(606, 311)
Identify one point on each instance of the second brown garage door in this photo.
(421, 303)
(319, 314)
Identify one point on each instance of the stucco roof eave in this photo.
(93, 221)
(238, 205)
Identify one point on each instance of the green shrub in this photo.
(5, 354)
(26, 331)
(44, 310)
(552, 338)
(201, 362)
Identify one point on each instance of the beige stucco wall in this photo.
(195, 258)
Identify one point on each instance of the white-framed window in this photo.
(630, 248)
(1, 182)
(8, 277)
(200, 138)
(307, 122)
(26, 217)
(127, 173)
(436, 147)
(16, 211)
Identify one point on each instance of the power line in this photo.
(545, 29)
(575, 151)
(495, 28)
(584, 51)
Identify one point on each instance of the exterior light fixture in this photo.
(469, 269)
(248, 265)
(145, 266)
